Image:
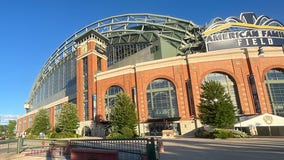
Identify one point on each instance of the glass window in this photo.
(110, 98)
(58, 83)
(25, 123)
(161, 99)
(99, 63)
(274, 80)
(57, 112)
(31, 121)
(229, 84)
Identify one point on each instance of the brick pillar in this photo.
(79, 79)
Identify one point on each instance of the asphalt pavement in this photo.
(223, 149)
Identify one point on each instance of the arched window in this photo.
(110, 98)
(229, 84)
(161, 99)
(274, 80)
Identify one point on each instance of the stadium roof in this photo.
(124, 29)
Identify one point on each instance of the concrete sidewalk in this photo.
(22, 156)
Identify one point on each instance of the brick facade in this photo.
(236, 63)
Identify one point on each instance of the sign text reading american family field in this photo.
(247, 38)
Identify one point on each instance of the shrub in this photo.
(228, 133)
(115, 135)
(202, 133)
(239, 134)
(63, 135)
(222, 133)
(127, 132)
(31, 136)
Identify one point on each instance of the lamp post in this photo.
(260, 51)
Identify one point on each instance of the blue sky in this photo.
(32, 29)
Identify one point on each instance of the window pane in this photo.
(110, 98)
(274, 80)
(228, 84)
(161, 98)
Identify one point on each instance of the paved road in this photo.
(223, 149)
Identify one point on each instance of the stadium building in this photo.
(161, 62)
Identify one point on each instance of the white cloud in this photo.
(4, 119)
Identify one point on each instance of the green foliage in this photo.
(3, 129)
(41, 123)
(202, 133)
(216, 108)
(220, 133)
(239, 134)
(115, 135)
(11, 129)
(62, 135)
(31, 136)
(127, 132)
(124, 133)
(28, 131)
(68, 119)
(123, 116)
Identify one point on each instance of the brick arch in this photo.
(106, 88)
(113, 84)
(262, 79)
(160, 77)
(219, 70)
(174, 83)
(104, 93)
(233, 78)
(270, 68)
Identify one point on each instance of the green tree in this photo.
(216, 108)
(123, 116)
(68, 119)
(11, 129)
(3, 129)
(41, 122)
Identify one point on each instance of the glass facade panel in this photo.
(85, 80)
(57, 112)
(161, 99)
(274, 81)
(60, 82)
(110, 98)
(118, 52)
(25, 123)
(31, 121)
(228, 84)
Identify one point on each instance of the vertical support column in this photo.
(189, 92)
(253, 85)
(79, 79)
(92, 69)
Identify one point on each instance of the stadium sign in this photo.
(246, 31)
(248, 38)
